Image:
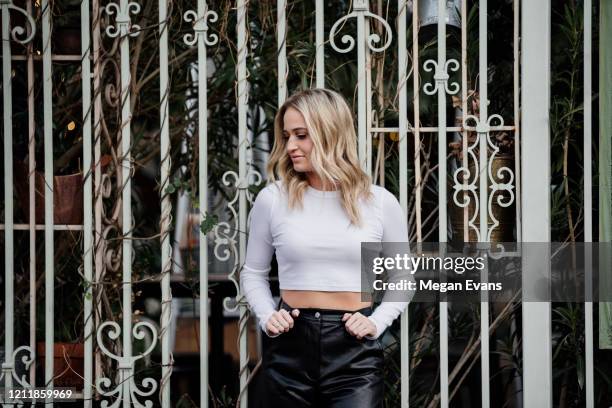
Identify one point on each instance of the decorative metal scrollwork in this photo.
(468, 186)
(360, 9)
(484, 129)
(200, 27)
(225, 235)
(18, 31)
(127, 384)
(441, 77)
(123, 21)
(9, 369)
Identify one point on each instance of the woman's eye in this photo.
(301, 136)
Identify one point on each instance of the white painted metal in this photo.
(98, 196)
(49, 234)
(517, 115)
(464, 109)
(200, 28)
(417, 120)
(483, 193)
(122, 21)
(320, 43)
(242, 185)
(8, 374)
(166, 206)
(360, 7)
(402, 64)
(588, 203)
(8, 364)
(127, 391)
(88, 243)
(360, 12)
(281, 37)
(535, 161)
(31, 209)
(441, 85)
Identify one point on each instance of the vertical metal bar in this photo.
(242, 186)
(535, 161)
(464, 109)
(97, 133)
(166, 206)
(517, 154)
(320, 43)
(588, 200)
(368, 93)
(88, 247)
(32, 207)
(417, 120)
(402, 64)
(8, 201)
(484, 98)
(442, 199)
(362, 124)
(49, 238)
(517, 118)
(203, 189)
(483, 192)
(281, 36)
(126, 209)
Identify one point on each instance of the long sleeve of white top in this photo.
(395, 229)
(254, 280)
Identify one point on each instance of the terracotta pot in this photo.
(67, 196)
(66, 358)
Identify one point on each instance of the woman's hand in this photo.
(281, 321)
(359, 325)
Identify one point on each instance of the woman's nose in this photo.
(291, 146)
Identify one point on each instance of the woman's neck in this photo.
(314, 180)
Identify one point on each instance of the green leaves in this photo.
(209, 221)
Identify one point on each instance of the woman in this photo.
(322, 348)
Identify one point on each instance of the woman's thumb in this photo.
(295, 313)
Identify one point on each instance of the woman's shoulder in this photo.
(382, 194)
(270, 193)
(273, 188)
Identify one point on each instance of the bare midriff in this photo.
(303, 299)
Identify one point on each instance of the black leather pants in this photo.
(319, 364)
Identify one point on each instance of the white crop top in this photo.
(316, 246)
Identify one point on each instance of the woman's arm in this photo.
(395, 229)
(254, 274)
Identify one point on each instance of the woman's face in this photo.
(298, 141)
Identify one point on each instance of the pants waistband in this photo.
(324, 314)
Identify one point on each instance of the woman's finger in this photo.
(359, 326)
(281, 320)
(364, 331)
(287, 317)
(295, 312)
(271, 326)
(352, 325)
(353, 319)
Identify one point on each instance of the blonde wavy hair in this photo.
(330, 125)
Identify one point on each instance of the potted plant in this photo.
(68, 346)
(67, 147)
